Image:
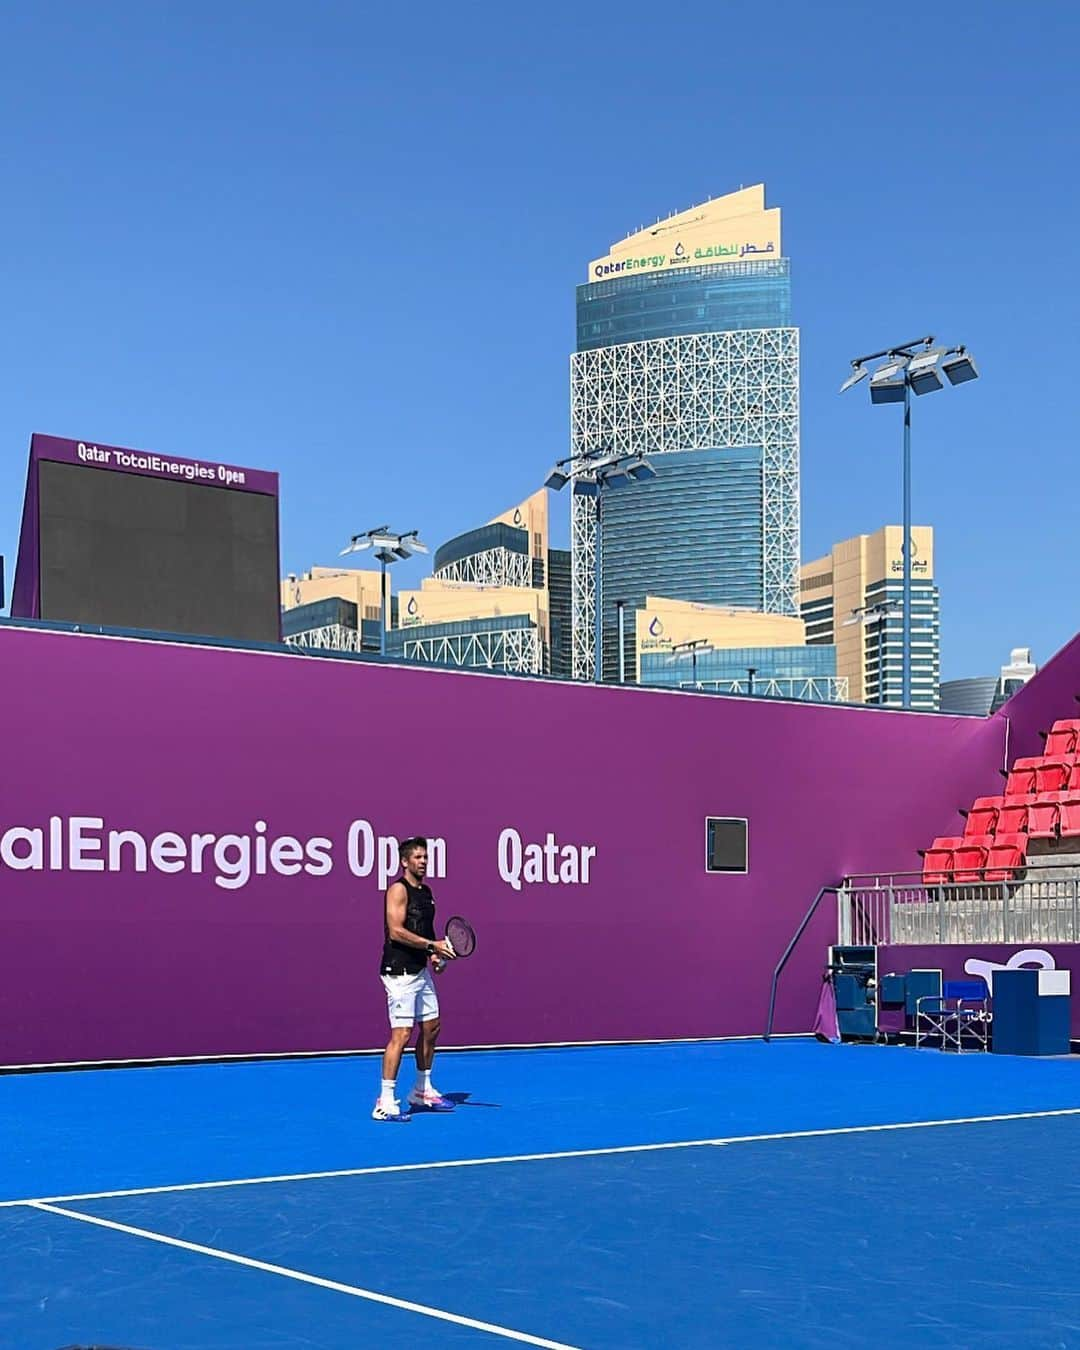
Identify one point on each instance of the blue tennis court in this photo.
(720, 1194)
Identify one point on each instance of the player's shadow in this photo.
(465, 1099)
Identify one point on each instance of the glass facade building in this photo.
(333, 624)
(559, 610)
(974, 697)
(690, 300)
(694, 532)
(489, 539)
(498, 599)
(807, 673)
(853, 598)
(508, 643)
(698, 358)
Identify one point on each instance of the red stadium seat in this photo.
(1073, 785)
(1021, 781)
(1042, 821)
(1064, 739)
(982, 818)
(938, 860)
(1052, 775)
(1069, 816)
(1013, 816)
(969, 858)
(1005, 854)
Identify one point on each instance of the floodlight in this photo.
(959, 368)
(586, 487)
(923, 372)
(857, 373)
(888, 382)
(616, 478)
(642, 471)
(556, 480)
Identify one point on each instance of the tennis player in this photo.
(409, 943)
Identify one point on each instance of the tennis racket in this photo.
(460, 938)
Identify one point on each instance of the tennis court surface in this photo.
(723, 1194)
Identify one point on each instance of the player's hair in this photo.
(408, 847)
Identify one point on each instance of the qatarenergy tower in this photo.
(685, 352)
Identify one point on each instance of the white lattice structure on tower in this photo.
(709, 390)
(519, 651)
(331, 637)
(492, 567)
(815, 688)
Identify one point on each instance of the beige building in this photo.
(684, 644)
(499, 600)
(737, 227)
(325, 583)
(439, 602)
(664, 624)
(853, 598)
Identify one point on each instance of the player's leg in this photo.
(401, 1005)
(424, 1092)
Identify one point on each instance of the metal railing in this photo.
(1033, 904)
(825, 890)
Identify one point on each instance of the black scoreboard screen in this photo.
(129, 550)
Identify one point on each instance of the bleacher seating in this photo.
(1013, 816)
(1041, 802)
(1044, 814)
(1064, 739)
(1069, 817)
(1021, 779)
(982, 818)
(1004, 856)
(1052, 775)
(938, 861)
(969, 859)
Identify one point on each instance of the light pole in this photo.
(594, 472)
(388, 548)
(912, 367)
(876, 614)
(751, 671)
(693, 647)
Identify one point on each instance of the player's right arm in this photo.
(396, 901)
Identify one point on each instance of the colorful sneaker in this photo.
(430, 1101)
(392, 1113)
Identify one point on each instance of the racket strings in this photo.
(460, 937)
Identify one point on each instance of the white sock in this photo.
(386, 1096)
(423, 1080)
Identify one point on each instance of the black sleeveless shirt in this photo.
(397, 958)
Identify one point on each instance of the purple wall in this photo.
(26, 589)
(159, 737)
(1050, 695)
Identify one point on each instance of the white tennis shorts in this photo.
(411, 998)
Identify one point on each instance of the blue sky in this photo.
(341, 241)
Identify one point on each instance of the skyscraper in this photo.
(854, 597)
(499, 599)
(685, 349)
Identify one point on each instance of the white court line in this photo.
(542, 1157)
(273, 1056)
(369, 1294)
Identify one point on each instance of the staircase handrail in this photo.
(834, 889)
